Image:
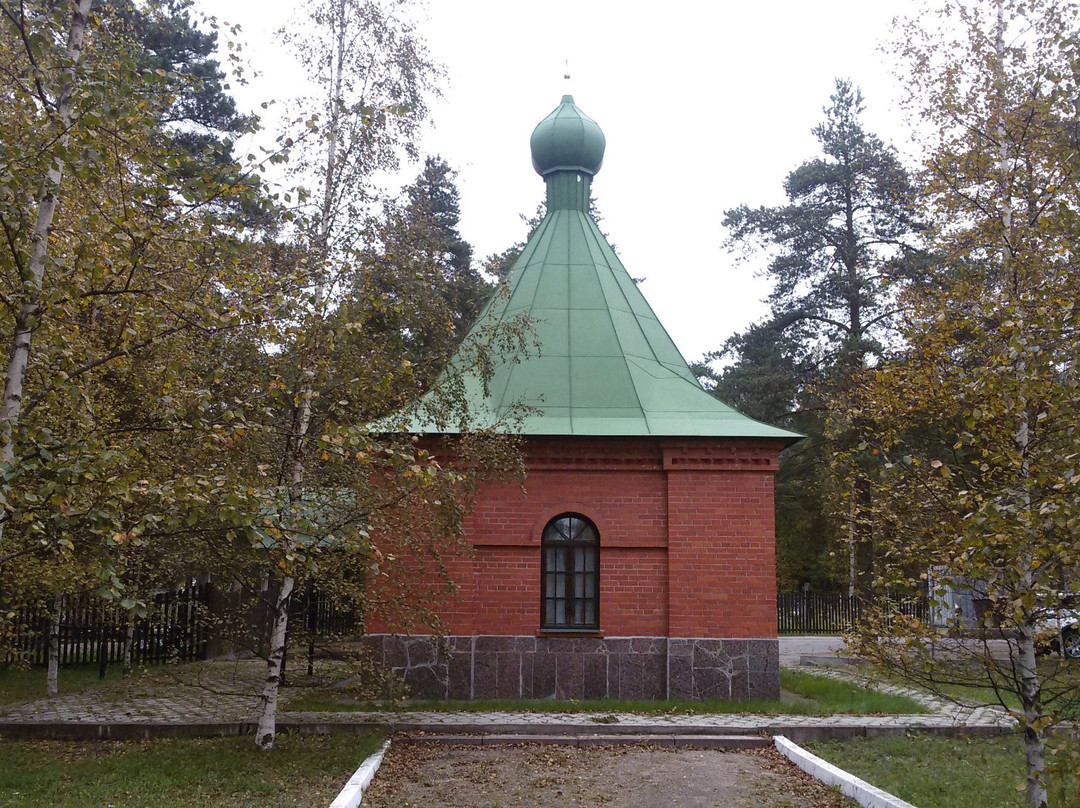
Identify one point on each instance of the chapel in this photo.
(637, 560)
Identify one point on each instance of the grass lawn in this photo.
(18, 684)
(814, 695)
(301, 770)
(1061, 676)
(835, 696)
(934, 772)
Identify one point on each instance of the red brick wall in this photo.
(721, 546)
(686, 538)
(633, 592)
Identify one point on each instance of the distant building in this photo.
(640, 560)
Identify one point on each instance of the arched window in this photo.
(569, 579)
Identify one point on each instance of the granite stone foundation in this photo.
(581, 667)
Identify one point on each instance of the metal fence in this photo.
(322, 615)
(804, 613)
(183, 625)
(95, 631)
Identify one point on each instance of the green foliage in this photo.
(172, 42)
(374, 298)
(200, 377)
(418, 272)
(433, 210)
(139, 254)
(968, 433)
(846, 228)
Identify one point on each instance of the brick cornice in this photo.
(594, 464)
(592, 454)
(652, 454)
(730, 456)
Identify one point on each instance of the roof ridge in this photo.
(591, 229)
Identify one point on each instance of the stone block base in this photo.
(581, 667)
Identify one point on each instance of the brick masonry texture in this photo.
(532, 667)
(687, 552)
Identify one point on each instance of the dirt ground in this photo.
(527, 775)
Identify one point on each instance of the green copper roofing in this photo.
(604, 364)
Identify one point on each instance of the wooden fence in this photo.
(832, 614)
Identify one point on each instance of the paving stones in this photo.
(202, 692)
(222, 697)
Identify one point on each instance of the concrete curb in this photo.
(850, 786)
(353, 792)
(142, 730)
(692, 741)
(123, 730)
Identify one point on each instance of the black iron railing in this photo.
(805, 613)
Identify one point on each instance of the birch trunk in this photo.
(28, 316)
(1033, 718)
(268, 701)
(33, 275)
(129, 638)
(264, 737)
(52, 677)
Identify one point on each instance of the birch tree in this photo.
(53, 81)
(975, 420)
(120, 277)
(382, 506)
(360, 132)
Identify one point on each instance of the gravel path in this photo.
(533, 776)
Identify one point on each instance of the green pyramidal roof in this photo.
(601, 363)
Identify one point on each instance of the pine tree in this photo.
(837, 248)
(433, 209)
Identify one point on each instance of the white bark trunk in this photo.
(268, 701)
(129, 638)
(33, 276)
(1033, 718)
(52, 677)
(1034, 735)
(264, 737)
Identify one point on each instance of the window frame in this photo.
(575, 568)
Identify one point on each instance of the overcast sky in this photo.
(705, 106)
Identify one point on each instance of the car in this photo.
(1059, 627)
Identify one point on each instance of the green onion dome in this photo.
(567, 140)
